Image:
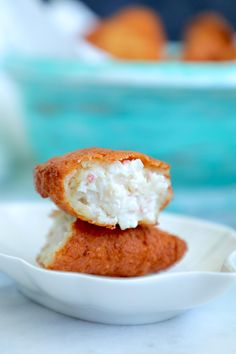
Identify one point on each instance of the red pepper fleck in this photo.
(90, 178)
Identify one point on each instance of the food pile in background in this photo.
(209, 37)
(69, 29)
(132, 33)
(138, 33)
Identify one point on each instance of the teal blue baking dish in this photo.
(182, 113)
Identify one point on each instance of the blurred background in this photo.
(152, 76)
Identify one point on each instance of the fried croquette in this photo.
(209, 37)
(77, 246)
(134, 33)
(106, 187)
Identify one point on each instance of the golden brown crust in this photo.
(50, 176)
(209, 38)
(97, 250)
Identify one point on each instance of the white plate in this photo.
(205, 273)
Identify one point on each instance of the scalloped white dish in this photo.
(207, 270)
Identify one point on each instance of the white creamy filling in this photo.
(122, 193)
(57, 237)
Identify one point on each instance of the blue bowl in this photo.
(181, 113)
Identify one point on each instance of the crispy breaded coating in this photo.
(56, 178)
(134, 33)
(96, 250)
(209, 37)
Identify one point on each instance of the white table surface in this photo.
(27, 328)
